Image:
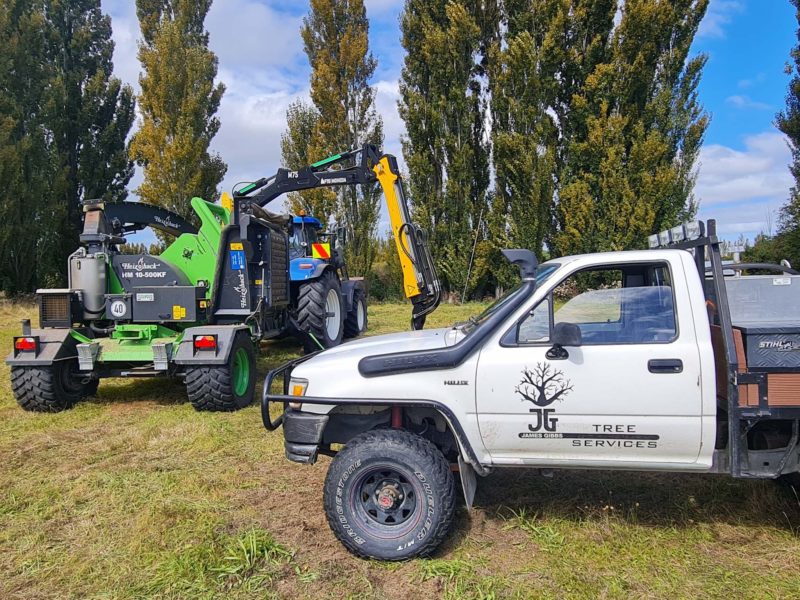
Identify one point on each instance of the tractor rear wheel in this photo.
(356, 322)
(320, 312)
(49, 389)
(225, 387)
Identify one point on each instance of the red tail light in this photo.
(26, 344)
(205, 342)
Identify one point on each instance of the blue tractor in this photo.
(329, 304)
(326, 304)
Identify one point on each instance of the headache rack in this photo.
(743, 389)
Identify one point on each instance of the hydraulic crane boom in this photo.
(420, 281)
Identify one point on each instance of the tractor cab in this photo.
(303, 235)
(312, 250)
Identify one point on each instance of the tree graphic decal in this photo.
(543, 385)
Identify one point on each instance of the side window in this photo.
(631, 304)
(536, 326)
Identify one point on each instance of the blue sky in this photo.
(743, 177)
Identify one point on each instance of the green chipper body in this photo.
(194, 312)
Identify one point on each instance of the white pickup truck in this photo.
(626, 360)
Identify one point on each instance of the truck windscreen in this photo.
(543, 273)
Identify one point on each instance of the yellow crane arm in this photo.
(420, 282)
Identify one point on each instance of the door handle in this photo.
(665, 365)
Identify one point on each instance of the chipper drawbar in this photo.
(199, 309)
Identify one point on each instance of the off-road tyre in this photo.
(356, 322)
(49, 389)
(389, 459)
(312, 314)
(224, 388)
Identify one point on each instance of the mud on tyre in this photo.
(389, 495)
(225, 387)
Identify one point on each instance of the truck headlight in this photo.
(297, 387)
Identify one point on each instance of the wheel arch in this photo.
(354, 417)
(299, 276)
(349, 288)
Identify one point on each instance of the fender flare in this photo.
(186, 355)
(464, 446)
(53, 345)
(349, 287)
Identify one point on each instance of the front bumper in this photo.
(302, 435)
(302, 432)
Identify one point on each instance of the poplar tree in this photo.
(91, 113)
(629, 165)
(299, 150)
(336, 40)
(64, 120)
(788, 121)
(25, 156)
(444, 108)
(178, 102)
(549, 49)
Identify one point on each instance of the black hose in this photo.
(102, 330)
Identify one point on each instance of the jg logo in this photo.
(544, 419)
(542, 386)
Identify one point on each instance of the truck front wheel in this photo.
(225, 387)
(389, 495)
(52, 388)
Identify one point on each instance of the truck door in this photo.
(629, 393)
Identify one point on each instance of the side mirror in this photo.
(564, 334)
(341, 235)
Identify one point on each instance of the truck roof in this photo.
(618, 256)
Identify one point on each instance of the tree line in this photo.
(562, 126)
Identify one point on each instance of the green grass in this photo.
(133, 494)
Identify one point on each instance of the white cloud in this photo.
(747, 103)
(125, 33)
(743, 189)
(249, 139)
(247, 34)
(750, 82)
(720, 13)
(387, 93)
(381, 8)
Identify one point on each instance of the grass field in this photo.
(133, 494)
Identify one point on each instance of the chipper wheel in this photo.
(50, 389)
(356, 322)
(225, 387)
(320, 312)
